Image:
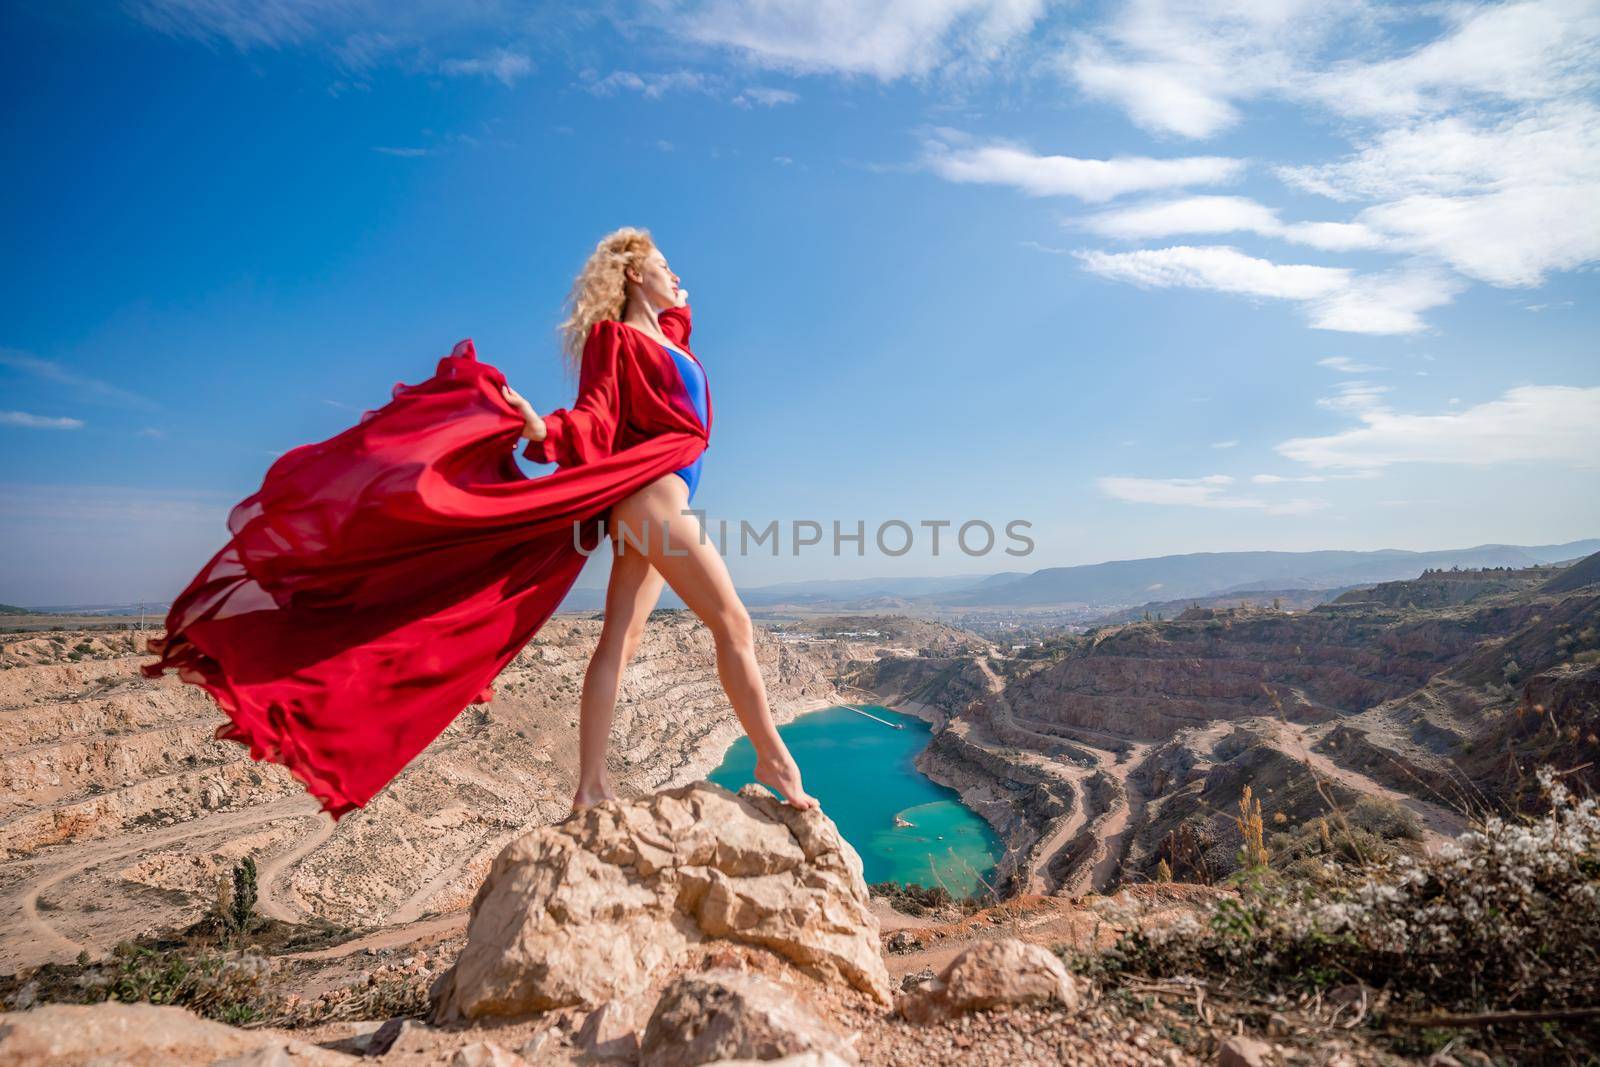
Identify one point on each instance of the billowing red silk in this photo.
(378, 581)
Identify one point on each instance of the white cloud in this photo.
(1229, 214)
(1217, 267)
(39, 422)
(1225, 444)
(1518, 52)
(1505, 202)
(502, 64)
(1208, 492)
(1335, 298)
(403, 153)
(1477, 150)
(885, 39)
(955, 157)
(1553, 423)
(1182, 66)
(1390, 302)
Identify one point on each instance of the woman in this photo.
(627, 280)
(378, 581)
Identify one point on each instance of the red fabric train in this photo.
(379, 580)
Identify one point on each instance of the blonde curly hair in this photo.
(600, 290)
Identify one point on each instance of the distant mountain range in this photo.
(1208, 573)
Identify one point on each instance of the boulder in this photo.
(992, 974)
(142, 1035)
(724, 1014)
(598, 906)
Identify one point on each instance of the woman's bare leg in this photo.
(632, 592)
(695, 570)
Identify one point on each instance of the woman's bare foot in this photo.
(587, 797)
(782, 775)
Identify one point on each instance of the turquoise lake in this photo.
(861, 772)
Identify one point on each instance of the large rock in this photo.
(596, 907)
(142, 1035)
(724, 1015)
(992, 974)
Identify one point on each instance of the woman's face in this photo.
(657, 282)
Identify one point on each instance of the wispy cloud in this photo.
(887, 40)
(39, 422)
(1211, 491)
(958, 157)
(244, 24)
(1551, 423)
(654, 85)
(761, 96)
(502, 64)
(1346, 365)
(403, 153)
(82, 386)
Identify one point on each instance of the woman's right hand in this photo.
(533, 425)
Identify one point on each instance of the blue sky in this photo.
(1151, 279)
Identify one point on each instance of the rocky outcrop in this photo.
(598, 907)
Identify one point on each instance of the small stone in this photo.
(1242, 1051)
(388, 1035)
(610, 1032)
(534, 1045)
(903, 941)
(486, 1054)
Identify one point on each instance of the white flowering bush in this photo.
(1506, 918)
(1509, 912)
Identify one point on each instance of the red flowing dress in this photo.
(378, 581)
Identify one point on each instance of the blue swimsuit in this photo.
(694, 384)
